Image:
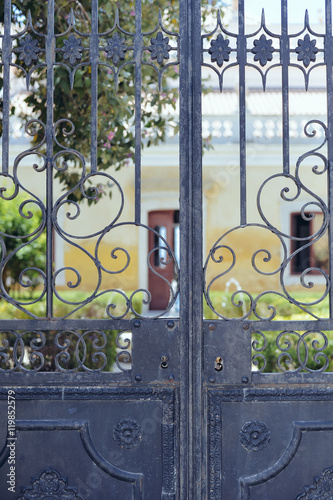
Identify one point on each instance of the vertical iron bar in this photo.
(94, 55)
(241, 55)
(6, 57)
(50, 59)
(185, 420)
(137, 59)
(329, 84)
(191, 279)
(285, 85)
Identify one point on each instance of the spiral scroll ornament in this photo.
(225, 258)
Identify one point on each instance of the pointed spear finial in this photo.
(160, 18)
(71, 18)
(117, 18)
(219, 19)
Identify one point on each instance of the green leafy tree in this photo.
(116, 132)
(22, 241)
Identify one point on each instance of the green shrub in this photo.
(20, 219)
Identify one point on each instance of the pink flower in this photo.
(132, 13)
(110, 135)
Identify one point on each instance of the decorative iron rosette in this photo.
(116, 48)
(255, 435)
(28, 50)
(49, 486)
(127, 433)
(72, 49)
(219, 50)
(263, 50)
(306, 50)
(322, 489)
(159, 47)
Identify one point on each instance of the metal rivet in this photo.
(170, 324)
(212, 380)
(138, 378)
(211, 326)
(246, 326)
(245, 380)
(137, 323)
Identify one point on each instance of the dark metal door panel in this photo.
(105, 442)
(268, 444)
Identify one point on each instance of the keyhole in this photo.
(218, 364)
(164, 361)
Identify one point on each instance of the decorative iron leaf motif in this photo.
(127, 433)
(159, 47)
(322, 489)
(263, 50)
(255, 436)
(219, 50)
(49, 486)
(72, 49)
(28, 50)
(116, 48)
(306, 50)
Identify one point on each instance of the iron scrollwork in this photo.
(65, 351)
(60, 163)
(223, 255)
(160, 49)
(117, 251)
(295, 351)
(263, 49)
(22, 351)
(72, 50)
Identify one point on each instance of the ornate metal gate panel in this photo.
(226, 397)
(268, 421)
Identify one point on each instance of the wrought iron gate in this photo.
(128, 405)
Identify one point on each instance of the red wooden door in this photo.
(163, 222)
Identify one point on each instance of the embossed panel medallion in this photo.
(255, 436)
(127, 433)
